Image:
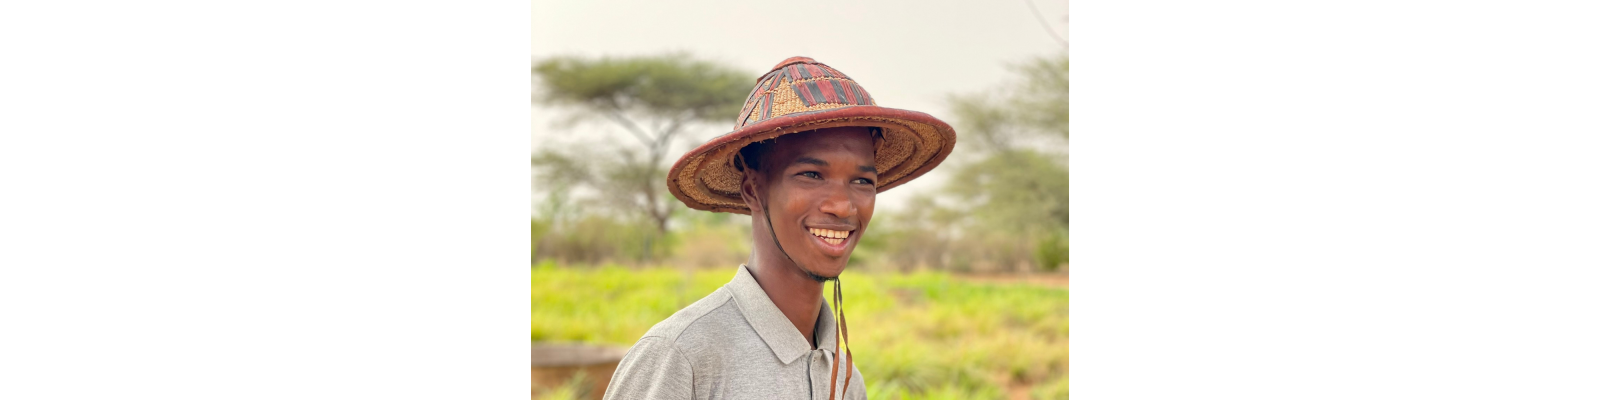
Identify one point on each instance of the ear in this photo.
(751, 189)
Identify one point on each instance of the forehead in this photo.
(846, 141)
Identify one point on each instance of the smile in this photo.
(829, 236)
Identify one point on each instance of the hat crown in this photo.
(800, 85)
(792, 60)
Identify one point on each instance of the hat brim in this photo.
(913, 143)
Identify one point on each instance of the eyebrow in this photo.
(820, 163)
(812, 161)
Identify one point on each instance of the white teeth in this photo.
(827, 234)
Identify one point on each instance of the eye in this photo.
(811, 174)
(864, 181)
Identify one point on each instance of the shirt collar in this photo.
(774, 328)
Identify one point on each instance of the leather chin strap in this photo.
(841, 331)
(844, 332)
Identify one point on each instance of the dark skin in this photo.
(811, 185)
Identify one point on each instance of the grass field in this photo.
(915, 336)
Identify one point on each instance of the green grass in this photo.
(915, 336)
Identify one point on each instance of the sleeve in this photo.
(652, 369)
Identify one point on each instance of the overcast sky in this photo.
(908, 54)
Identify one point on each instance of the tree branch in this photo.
(616, 116)
(1046, 25)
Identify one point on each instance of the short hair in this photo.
(752, 155)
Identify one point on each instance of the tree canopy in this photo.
(1028, 112)
(655, 99)
(1005, 200)
(671, 90)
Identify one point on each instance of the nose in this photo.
(838, 203)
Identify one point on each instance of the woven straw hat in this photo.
(799, 95)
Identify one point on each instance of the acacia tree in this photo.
(1006, 198)
(1031, 112)
(1019, 185)
(654, 99)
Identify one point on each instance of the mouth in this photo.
(832, 241)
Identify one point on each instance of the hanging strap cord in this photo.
(844, 333)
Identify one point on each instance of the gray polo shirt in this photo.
(732, 344)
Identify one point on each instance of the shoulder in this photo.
(652, 369)
(662, 363)
(858, 385)
(712, 311)
(704, 334)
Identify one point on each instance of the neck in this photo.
(795, 293)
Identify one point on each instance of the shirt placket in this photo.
(821, 366)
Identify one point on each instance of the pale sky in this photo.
(907, 54)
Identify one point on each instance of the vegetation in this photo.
(1004, 207)
(924, 335)
(654, 99)
(1030, 110)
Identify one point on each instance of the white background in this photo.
(328, 199)
(264, 200)
(1335, 200)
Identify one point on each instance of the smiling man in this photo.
(806, 159)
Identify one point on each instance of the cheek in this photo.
(794, 202)
(864, 206)
(788, 205)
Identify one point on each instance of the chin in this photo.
(829, 265)
(828, 255)
(828, 269)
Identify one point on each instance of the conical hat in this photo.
(799, 95)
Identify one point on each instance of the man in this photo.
(807, 157)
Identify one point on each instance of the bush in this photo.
(712, 241)
(594, 239)
(1051, 251)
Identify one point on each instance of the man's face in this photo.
(820, 189)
